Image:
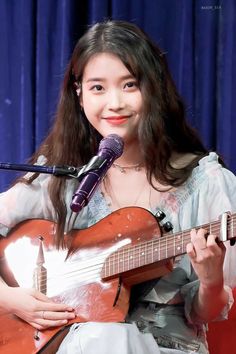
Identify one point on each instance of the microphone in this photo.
(110, 148)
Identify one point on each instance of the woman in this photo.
(118, 82)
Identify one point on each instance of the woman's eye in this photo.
(96, 88)
(131, 84)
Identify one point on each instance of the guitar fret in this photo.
(136, 257)
(131, 259)
(128, 259)
(156, 250)
(113, 268)
(146, 254)
(121, 261)
(117, 262)
(142, 255)
(125, 259)
(152, 252)
(168, 246)
(178, 244)
(139, 263)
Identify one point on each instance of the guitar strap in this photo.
(54, 343)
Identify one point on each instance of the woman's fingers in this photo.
(206, 256)
(55, 315)
(44, 303)
(203, 243)
(50, 318)
(43, 324)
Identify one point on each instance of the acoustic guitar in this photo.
(93, 274)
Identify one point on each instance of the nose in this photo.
(115, 100)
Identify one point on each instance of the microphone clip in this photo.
(95, 163)
(69, 171)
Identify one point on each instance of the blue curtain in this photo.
(37, 37)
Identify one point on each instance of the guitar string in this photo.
(163, 242)
(94, 268)
(162, 247)
(93, 276)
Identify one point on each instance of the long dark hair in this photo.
(163, 129)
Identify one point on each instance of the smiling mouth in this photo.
(117, 120)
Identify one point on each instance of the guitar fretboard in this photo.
(162, 248)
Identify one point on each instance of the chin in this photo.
(127, 136)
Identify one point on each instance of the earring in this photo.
(77, 86)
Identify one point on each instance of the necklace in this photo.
(114, 199)
(123, 169)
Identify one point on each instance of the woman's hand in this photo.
(34, 307)
(207, 257)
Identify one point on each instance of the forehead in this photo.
(104, 65)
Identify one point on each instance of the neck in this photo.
(131, 155)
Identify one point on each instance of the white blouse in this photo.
(208, 192)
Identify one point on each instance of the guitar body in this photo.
(73, 275)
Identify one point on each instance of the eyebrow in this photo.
(100, 79)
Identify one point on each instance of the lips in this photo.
(116, 120)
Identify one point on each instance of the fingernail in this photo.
(70, 309)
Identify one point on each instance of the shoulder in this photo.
(210, 168)
(206, 166)
(210, 186)
(210, 173)
(208, 180)
(209, 191)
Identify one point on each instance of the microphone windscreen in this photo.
(114, 143)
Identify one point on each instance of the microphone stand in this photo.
(96, 162)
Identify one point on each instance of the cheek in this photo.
(137, 102)
(90, 107)
(89, 100)
(90, 114)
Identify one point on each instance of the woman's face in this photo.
(111, 97)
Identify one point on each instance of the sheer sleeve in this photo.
(209, 192)
(31, 201)
(22, 202)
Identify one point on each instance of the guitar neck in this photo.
(159, 249)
